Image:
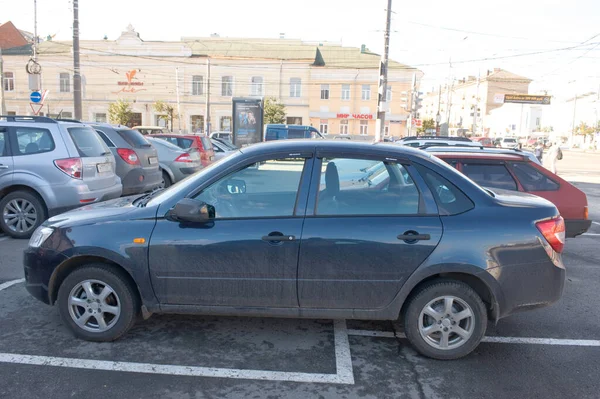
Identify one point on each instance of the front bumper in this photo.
(38, 265)
(576, 227)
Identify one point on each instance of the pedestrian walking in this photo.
(554, 155)
(539, 151)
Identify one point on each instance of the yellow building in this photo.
(334, 88)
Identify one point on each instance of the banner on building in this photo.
(526, 99)
(247, 121)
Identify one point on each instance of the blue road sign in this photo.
(35, 97)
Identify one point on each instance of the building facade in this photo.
(330, 87)
(468, 102)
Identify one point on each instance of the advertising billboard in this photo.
(247, 121)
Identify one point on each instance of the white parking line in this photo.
(4, 286)
(590, 234)
(598, 223)
(344, 372)
(492, 339)
(4, 238)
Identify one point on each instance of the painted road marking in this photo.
(4, 238)
(4, 286)
(492, 339)
(598, 223)
(590, 234)
(343, 362)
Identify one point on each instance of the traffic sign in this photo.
(35, 97)
(418, 122)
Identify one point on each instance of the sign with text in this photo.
(355, 116)
(526, 99)
(247, 121)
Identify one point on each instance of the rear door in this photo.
(146, 153)
(361, 242)
(6, 161)
(97, 161)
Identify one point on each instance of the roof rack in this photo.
(461, 146)
(491, 150)
(26, 118)
(424, 137)
(67, 120)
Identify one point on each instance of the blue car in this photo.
(318, 229)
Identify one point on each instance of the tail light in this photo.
(128, 156)
(70, 166)
(553, 231)
(586, 213)
(184, 158)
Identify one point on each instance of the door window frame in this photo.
(427, 204)
(300, 205)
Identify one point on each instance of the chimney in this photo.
(363, 48)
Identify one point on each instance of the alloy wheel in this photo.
(20, 215)
(446, 323)
(94, 306)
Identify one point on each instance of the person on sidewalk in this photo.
(554, 155)
(539, 151)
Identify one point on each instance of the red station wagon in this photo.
(516, 172)
(200, 143)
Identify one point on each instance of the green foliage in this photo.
(547, 129)
(584, 129)
(166, 112)
(120, 112)
(274, 111)
(427, 124)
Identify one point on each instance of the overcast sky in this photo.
(426, 34)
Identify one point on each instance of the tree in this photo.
(120, 112)
(274, 111)
(166, 112)
(584, 129)
(547, 129)
(427, 124)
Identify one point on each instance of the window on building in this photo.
(388, 93)
(538, 122)
(160, 120)
(66, 115)
(345, 92)
(324, 92)
(364, 128)
(386, 130)
(197, 123)
(225, 123)
(256, 88)
(362, 182)
(293, 120)
(324, 126)
(197, 85)
(344, 126)
(9, 81)
(227, 86)
(295, 87)
(366, 92)
(100, 117)
(65, 83)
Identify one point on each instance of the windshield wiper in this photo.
(144, 199)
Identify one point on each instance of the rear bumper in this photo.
(576, 227)
(529, 286)
(138, 181)
(70, 196)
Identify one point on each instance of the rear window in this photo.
(206, 144)
(490, 175)
(87, 141)
(532, 179)
(186, 143)
(133, 138)
(510, 140)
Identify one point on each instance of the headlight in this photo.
(39, 236)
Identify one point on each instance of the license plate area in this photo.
(104, 167)
(153, 160)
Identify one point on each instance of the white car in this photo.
(509, 142)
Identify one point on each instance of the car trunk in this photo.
(98, 163)
(147, 154)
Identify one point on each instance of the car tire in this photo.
(166, 180)
(438, 333)
(92, 317)
(11, 204)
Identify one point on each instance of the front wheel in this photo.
(98, 303)
(445, 320)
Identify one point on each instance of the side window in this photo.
(264, 189)
(450, 200)
(106, 140)
(184, 143)
(31, 140)
(532, 179)
(295, 134)
(366, 187)
(491, 175)
(3, 143)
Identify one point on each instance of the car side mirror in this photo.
(236, 186)
(193, 211)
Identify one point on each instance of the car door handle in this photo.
(414, 237)
(278, 238)
(3, 166)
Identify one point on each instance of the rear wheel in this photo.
(166, 180)
(98, 303)
(21, 213)
(445, 320)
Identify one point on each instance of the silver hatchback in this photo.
(48, 167)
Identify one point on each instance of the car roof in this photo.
(149, 127)
(480, 155)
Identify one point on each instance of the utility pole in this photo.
(573, 127)
(35, 35)
(438, 117)
(76, 66)
(2, 101)
(177, 93)
(207, 106)
(383, 73)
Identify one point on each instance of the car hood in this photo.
(106, 211)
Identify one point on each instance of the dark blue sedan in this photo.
(303, 229)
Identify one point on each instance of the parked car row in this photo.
(49, 166)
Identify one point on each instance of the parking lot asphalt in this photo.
(547, 353)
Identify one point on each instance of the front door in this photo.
(369, 232)
(249, 255)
